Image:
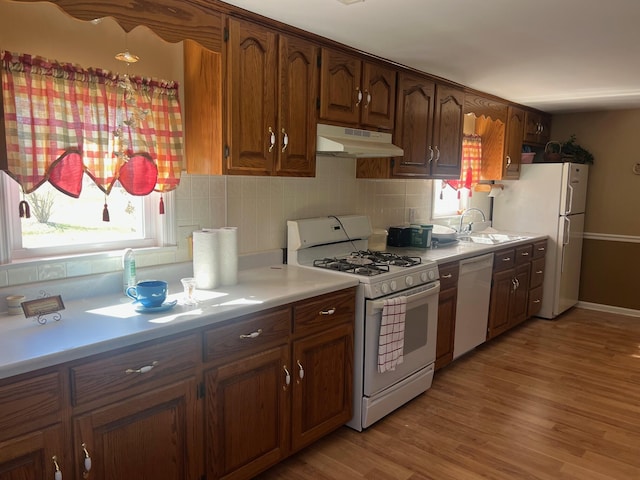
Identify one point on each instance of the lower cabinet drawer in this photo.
(504, 259)
(247, 334)
(537, 272)
(30, 403)
(123, 374)
(449, 275)
(320, 312)
(535, 301)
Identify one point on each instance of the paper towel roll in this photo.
(228, 255)
(206, 265)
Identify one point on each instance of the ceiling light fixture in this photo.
(350, 2)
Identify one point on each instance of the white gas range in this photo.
(339, 244)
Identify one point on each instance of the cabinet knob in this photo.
(272, 139)
(359, 97)
(87, 461)
(56, 468)
(255, 334)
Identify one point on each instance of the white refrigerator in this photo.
(549, 199)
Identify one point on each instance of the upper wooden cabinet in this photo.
(271, 85)
(355, 92)
(429, 125)
(513, 145)
(537, 128)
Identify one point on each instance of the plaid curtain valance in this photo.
(62, 121)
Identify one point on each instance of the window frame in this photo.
(159, 230)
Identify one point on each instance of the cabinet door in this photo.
(520, 295)
(31, 456)
(251, 89)
(247, 414)
(513, 147)
(379, 96)
(322, 386)
(296, 145)
(447, 132)
(149, 436)
(499, 311)
(340, 87)
(446, 326)
(414, 125)
(537, 128)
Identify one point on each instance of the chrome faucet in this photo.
(484, 219)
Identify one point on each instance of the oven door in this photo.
(421, 324)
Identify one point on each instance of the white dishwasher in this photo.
(472, 308)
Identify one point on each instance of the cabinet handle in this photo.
(430, 154)
(539, 272)
(359, 96)
(525, 254)
(285, 140)
(252, 334)
(506, 259)
(536, 301)
(145, 369)
(508, 163)
(513, 282)
(517, 283)
(57, 472)
(301, 371)
(448, 275)
(287, 377)
(541, 249)
(437, 154)
(368, 98)
(331, 311)
(272, 139)
(87, 461)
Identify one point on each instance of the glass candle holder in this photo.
(189, 285)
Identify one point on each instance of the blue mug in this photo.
(150, 293)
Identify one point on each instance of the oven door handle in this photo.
(379, 304)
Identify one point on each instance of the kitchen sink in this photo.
(489, 238)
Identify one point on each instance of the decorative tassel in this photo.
(458, 194)
(105, 213)
(24, 210)
(161, 205)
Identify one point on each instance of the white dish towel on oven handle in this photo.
(391, 340)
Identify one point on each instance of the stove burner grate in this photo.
(387, 258)
(356, 264)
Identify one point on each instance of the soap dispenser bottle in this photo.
(129, 269)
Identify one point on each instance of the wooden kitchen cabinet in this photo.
(537, 278)
(356, 92)
(136, 412)
(447, 301)
(271, 91)
(429, 123)
(286, 383)
(150, 435)
(537, 128)
(513, 144)
(31, 428)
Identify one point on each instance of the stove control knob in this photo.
(423, 277)
(408, 281)
(394, 285)
(432, 275)
(385, 288)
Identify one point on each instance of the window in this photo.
(448, 201)
(61, 225)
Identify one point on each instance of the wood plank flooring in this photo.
(549, 400)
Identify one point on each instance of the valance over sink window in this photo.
(62, 121)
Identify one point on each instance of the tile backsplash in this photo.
(259, 207)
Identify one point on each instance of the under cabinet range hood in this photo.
(352, 142)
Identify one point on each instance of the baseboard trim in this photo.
(609, 308)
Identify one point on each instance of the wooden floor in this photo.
(549, 400)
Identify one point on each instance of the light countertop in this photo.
(97, 324)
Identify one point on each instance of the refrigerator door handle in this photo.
(565, 240)
(569, 207)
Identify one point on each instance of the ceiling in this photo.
(556, 55)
